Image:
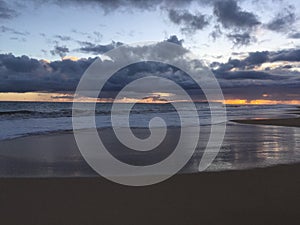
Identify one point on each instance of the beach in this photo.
(60, 194)
(257, 196)
(253, 180)
(56, 154)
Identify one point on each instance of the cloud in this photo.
(21, 64)
(237, 76)
(294, 35)
(63, 37)
(96, 49)
(291, 55)
(5, 29)
(88, 47)
(244, 75)
(189, 22)
(255, 59)
(229, 19)
(283, 21)
(174, 39)
(60, 50)
(24, 74)
(238, 22)
(112, 5)
(6, 12)
(231, 16)
(241, 39)
(216, 33)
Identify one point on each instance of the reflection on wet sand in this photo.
(247, 146)
(244, 146)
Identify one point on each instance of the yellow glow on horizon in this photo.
(72, 58)
(260, 102)
(35, 97)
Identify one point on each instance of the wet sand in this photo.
(288, 122)
(254, 196)
(258, 196)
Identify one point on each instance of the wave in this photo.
(25, 114)
(34, 114)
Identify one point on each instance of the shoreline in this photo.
(56, 154)
(257, 196)
(287, 122)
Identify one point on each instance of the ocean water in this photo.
(244, 146)
(24, 118)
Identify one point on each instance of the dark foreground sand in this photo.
(259, 196)
(288, 122)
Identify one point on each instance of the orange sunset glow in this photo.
(260, 102)
(61, 97)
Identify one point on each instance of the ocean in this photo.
(244, 146)
(26, 118)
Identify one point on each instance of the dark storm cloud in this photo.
(6, 12)
(22, 74)
(189, 22)
(230, 15)
(60, 50)
(283, 21)
(88, 47)
(19, 64)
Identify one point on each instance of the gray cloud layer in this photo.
(237, 77)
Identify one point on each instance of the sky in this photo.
(251, 46)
